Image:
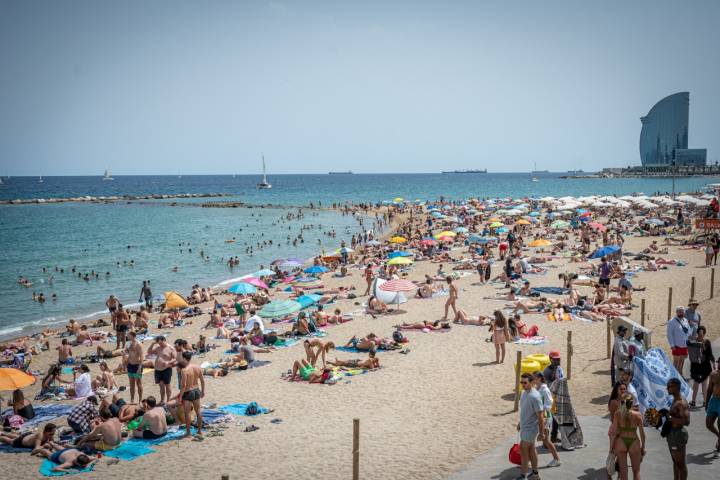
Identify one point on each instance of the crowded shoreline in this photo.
(458, 283)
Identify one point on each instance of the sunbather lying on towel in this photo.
(308, 372)
(371, 362)
(436, 325)
(462, 318)
(369, 342)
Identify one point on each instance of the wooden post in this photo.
(609, 336)
(712, 283)
(642, 312)
(225, 477)
(569, 354)
(692, 287)
(518, 363)
(356, 449)
(669, 313)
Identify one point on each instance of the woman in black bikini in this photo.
(22, 406)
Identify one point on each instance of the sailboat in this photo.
(535, 170)
(264, 185)
(107, 175)
(40, 179)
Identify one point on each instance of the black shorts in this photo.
(116, 407)
(604, 282)
(18, 442)
(149, 435)
(191, 395)
(163, 376)
(122, 328)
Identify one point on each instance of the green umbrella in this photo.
(279, 308)
(558, 224)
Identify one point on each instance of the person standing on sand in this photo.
(146, 294)
(678, 332)
(531, 420)
(122, 325)
(712, 408)
(135, 367)
(164, 361)
(677, 437)
(191, 391)
(368, 279)
(500, 334)
(452, 299)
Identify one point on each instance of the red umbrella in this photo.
(256, 281)
(597, 226)
(428, 242)
(398, 285)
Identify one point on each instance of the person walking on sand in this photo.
(712, 408)
(548, 401)
(452, 299)
(191, 391)
(530, 427)
(678, 332)
(164, 361)
(500, 334)
(146, 294)
(135, 367)
(677, 437)
(368, 279)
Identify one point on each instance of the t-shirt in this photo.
(530, 404)
(547, 398)
(251, 323)
(604, 270)
(552, 373)
(624, 282)
(83, 385)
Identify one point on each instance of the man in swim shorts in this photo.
(67, 458)
(192, 389)
(135, 357)
(677, 438)
(165, 358)
(712, 408)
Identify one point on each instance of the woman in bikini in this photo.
(618, 392)
(463, 318)
(436, 325)
(500, 333)
(317, 348)
(628, 423)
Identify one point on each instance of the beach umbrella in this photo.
(559, 224)
(12, 379)
(398, 239)
(502, 230)
(308, 300)
(174, 300)
(534, 214)
(279, 308)
(290, 265)
(398, 199)
(654, 221)
(540, 242)
(398, 253)
(496, 224)
(426, 242)
(345, 250)
(493, 219)
(461, 230)
(522, 221)
(446, 239)
(263, 273)
(278, 261)
(398, 285)
(445, 233)
(399, 261)
(597, 226)
(242, 289)
(586, 214)
(255, 281)
(316, 269)
(605, 251)
(474, 238)
(373, 243)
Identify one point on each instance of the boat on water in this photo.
(107, 175)
(40, 179)
(349, 172)
(484, 170)
(535, 179)
(264, 185)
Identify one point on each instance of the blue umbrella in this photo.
(474, 238)
(605, 251)
(263, 273)
(398, 253)
(316, 269)
(534, 214)
(307, 300)
(242, 289)
(501, 230)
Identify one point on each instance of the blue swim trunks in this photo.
(713, 409)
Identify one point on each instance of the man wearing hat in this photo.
(678, 332)
(621, 354)
(693, 316)
(551, 373)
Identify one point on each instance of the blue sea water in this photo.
(95, 237)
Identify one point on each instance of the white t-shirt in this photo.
(83, 385)
(546, 397)
(251, 323)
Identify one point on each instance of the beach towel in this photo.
(571, 435)
(213, 415)
(350, 349)
(537, 340)
(239, 409)
(565, 317)
(46, 469)
(650, 377)
(6, 448)
(285, 342)
(45, 413)
(551, 290)
(130, 450)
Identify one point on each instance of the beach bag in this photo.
(14, 421)
(252, 409)
(611, 463)
(514, 454)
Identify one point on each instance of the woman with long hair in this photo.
(628, 424)
(500, 334)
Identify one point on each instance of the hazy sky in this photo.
(151, 87)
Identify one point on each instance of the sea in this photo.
(126, 243)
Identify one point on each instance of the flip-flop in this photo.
(198, 439)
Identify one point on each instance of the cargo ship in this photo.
(484, 170)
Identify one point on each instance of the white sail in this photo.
(264, 185)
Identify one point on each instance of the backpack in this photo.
(252, 409)
(398, 337)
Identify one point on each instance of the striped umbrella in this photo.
(279, 308)
(398, 285)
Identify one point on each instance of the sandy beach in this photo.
(423, 415)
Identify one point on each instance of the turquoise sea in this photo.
(95, 237)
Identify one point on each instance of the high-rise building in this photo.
(664, 134)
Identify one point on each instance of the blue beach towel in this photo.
(352, 349)
(46, 469)
(240, 408)
(551, 290)
(130, 450)
(46, 413)
(5, 448)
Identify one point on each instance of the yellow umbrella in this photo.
(398, 239)
(12, 379)
(446, 233)
(493, 219)
(540, 242)
(398, 199)
(399, 261)
(496, 225)
(522, 221)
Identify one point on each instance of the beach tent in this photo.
(174, 300)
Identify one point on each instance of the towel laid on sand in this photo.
(537, 340)
(46, 413)
(551, 290)
(46, 469)
(239, 409)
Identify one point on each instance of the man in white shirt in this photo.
(82, 384)
(255, 318)
(678, 332)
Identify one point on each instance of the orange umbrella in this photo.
(12, 379)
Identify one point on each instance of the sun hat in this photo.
(692, 301)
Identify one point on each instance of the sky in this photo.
(207, 87)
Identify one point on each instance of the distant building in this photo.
(664, 134)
